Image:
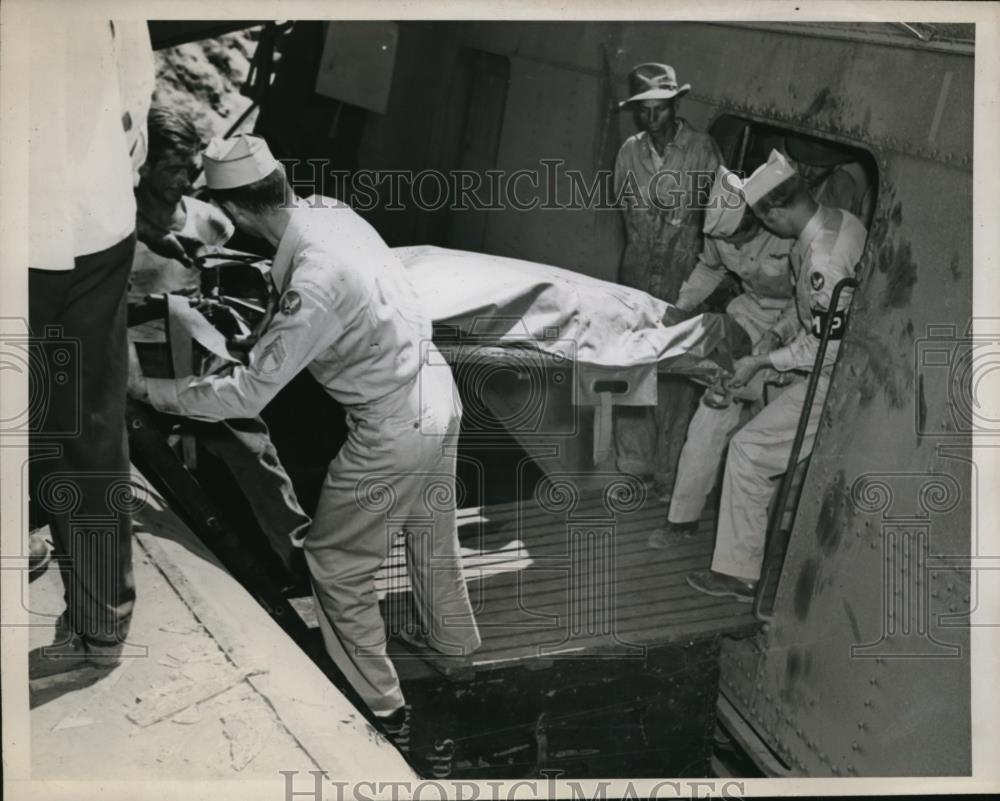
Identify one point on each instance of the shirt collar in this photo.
(680, 140)
(281, 267)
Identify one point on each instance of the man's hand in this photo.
(769, 341)
(675, 315)
(746, 368)
(137, 386)
(169, 246)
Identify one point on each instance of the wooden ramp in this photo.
(571, 575)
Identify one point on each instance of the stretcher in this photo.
(547, 352)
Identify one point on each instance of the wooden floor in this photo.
(554, 582)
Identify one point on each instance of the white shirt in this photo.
(80, 172)
(761, 264)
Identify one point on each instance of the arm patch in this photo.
(838, 320)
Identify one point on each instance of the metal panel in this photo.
(357, 63)
(869, 607)
(552, 113)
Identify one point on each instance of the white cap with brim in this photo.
(239, 161)
(769, 175)
(726, 205)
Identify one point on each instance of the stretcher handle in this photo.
(785, 485)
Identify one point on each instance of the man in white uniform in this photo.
(828, 246)
(734, 241)
(349, 314)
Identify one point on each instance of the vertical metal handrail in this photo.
(785, 485)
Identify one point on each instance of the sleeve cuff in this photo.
(781, 360)
(163, 394)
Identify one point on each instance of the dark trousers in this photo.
(79, 474)
(245, 447)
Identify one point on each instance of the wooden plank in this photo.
(528, 600)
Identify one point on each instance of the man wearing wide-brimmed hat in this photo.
(658, 174)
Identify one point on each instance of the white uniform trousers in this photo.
(758, 453)
(710, 429)
(396, 472)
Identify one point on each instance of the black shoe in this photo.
(673, 535)
(397, 728)
(71, 656)
(722, 586)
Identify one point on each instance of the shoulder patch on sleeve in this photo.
(816, 280)
(290, 303)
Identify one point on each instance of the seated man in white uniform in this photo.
(349, 315)
(734, 241)
(828, 245)
(171, 227)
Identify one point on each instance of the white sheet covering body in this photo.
(507, 301)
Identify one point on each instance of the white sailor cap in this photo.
(239, 161)
(726, 205)
(772, 173)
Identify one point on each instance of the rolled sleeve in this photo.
(705, 277)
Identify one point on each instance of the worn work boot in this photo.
(673, 535)
(722, 586)
(73, 655)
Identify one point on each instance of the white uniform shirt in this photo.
(828, 250)
(80, 172)
(347, 311)
(761, 264)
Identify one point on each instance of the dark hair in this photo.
(783, 195)
(270, 192)
(172, 131)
